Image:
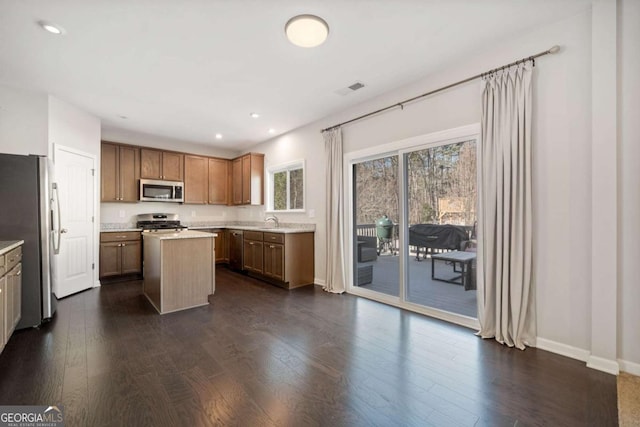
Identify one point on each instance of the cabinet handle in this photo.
(272, 247)
(18, 273)
(251, 243)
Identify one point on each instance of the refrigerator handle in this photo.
(57, 230)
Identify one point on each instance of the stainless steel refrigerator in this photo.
(25, 215)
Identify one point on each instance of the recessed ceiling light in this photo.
(52, 28)
(254, 115)
(218, 136)
(123, 117)
(306, 30)
(272, 131)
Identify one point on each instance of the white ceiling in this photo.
(189, 69)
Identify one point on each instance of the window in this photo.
(286, 187)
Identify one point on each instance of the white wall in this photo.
(562, 165)
(71, 127)
(23, 121)
(629, 178)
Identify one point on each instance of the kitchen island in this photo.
(179, 269)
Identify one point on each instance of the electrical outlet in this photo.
(312, 213)
(121, 213)
(193, 213)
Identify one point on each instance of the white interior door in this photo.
(74, 263)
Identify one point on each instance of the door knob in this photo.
(64, 230)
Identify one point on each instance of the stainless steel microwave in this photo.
(161, 191)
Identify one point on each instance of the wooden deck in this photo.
(421, 288)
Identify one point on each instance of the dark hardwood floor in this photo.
(259, 355)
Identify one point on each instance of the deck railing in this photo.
(369, 230)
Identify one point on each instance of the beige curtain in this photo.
(506, 308)
(334, 254)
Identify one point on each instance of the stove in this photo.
(159, 222)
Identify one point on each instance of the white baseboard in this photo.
(563, 349)
(97, 284)
(319, 282)
(605, 365)
(629, 367)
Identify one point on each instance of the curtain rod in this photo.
(553, 49)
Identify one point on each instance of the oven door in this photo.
(160, 191)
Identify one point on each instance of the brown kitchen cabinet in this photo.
(222, 246)
(165, 165)
(3, 301)
(196, 179)
(253, 260)
(247, 180)
(120, 254)
(283, 259)
(10, 293)
(274, 261)
(120, 173)
(221, 243)
(218, 181)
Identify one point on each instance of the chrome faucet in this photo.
(274, 219)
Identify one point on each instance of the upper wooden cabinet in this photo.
(218, 182)
(196, 178)
(207, 180)
(156, 164)
(247, 177)
(120, 166)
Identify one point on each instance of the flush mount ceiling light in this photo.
(306, 30)
(272, 131)
(52, 28)
(254, 115)
(218, 136)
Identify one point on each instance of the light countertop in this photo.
(186, 234)
(283, 230)
(7, 245)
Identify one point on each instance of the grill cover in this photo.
(437, 236)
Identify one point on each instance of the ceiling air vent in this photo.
(350, 89)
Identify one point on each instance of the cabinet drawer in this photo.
(2, 266)
(253, 235)
(119, 236)
(274, 237)
(13, 258)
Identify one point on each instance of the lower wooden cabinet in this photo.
(222, 246)
(274, 261)
(252, 245)
(284, 259)
(10, 293)
(3, 301)
(120, 254)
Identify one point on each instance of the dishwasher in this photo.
(235, 249)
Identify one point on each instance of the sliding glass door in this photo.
(413, 224)
(375, 224)
(441, 222)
